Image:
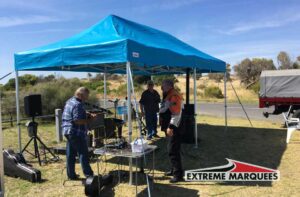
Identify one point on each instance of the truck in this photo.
(281, 89)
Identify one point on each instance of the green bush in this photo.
(158, 79)
(25, 80)
(141, 79)
(255, 87)
(56, 93)
(213, 91)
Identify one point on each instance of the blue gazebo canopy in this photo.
(108, 45)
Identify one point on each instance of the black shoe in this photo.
(76, 178)
(176, 179)
(169, 173)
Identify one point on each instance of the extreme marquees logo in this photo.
(233, 171)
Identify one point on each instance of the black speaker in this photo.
(188, 119)
(33, 105)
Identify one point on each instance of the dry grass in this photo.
(246, 96)
(263, 145)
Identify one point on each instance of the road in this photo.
(235, 110)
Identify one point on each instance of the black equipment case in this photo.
(16, 166)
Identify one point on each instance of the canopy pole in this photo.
(105, 90)
(129, 116)
(225, 99)
(195, 107)
(18, 110)
(1, 155)
(187, 86)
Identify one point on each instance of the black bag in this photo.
(93, 183)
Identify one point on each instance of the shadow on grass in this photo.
(259, 146)
(169, 190)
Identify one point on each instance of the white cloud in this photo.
(33, 19)
(278, 21)
(174, 4)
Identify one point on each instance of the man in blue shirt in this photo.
(74, 125)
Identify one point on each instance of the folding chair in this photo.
(292, 124)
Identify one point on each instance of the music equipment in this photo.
(32, 132)
(188, 124)
(96, 108)
(115, 102)
(120, 144)
(33, 105)
(15, 166)
(96, 122)
(62, 151)
(111, 127)
(94, 183)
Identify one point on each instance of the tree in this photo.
(284, 61)
(218, 77)
(249, 70)
(158, 79)
(10, 85)
(141, 79)
(297, 63)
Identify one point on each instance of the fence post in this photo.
(58, 120)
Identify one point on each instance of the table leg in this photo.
(130, 171)
(136, 181)
(119, 174)
(98, 177)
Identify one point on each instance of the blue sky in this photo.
(227, 29)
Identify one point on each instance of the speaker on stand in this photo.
(188, 119)
(33, 107)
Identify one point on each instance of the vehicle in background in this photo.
(281, 89)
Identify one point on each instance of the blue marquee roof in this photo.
(109, 44)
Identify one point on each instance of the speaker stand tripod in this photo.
(32, 132)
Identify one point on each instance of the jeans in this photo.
(77, 146)
(151, 123)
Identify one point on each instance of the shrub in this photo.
(201, 86)
(56, 93)
(141, 79)
(255, 87)
(213, 91)
(158, 79)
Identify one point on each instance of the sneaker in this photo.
(176, 179)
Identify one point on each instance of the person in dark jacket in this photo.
(149, 105)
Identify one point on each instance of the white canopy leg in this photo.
(1, 155)
(225, 100)
(129, 116)
(18, 111)
(195, 107)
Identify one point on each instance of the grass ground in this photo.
(262, 145)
